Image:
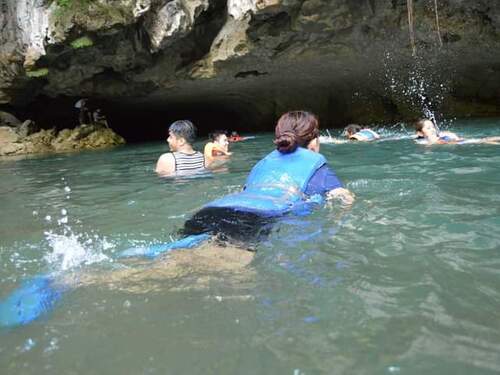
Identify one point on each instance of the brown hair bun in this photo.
(295, 129)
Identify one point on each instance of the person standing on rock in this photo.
(99, 118)
(84, 116)
(182, 159)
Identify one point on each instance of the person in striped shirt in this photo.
(182, 159)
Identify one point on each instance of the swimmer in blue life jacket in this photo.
(183, 159)
(428, 134)
(355, 132)
(290, 180)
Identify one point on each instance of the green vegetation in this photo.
(63, 3)
(82, 42)
(37, 73)
(68, 3)
(89, 14)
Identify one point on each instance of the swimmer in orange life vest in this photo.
(428, 133)
(235, 137)
(218, 147)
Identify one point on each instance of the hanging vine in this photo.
(409, 6)
(438, 30)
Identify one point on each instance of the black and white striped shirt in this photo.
(189, 163)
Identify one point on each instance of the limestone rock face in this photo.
(345, 59)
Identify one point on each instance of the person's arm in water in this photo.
(344, 195)
(165, 164)
(226, 153)
(325, 182)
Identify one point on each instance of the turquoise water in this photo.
(405, 282)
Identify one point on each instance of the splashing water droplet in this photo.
(28, 345)
(69, 251)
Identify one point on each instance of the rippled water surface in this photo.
(405, 282)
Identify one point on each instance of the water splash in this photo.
(69, 249)
(419, 86)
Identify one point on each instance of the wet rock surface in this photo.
(22, 140)
(344, 59)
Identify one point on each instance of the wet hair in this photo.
(216, 134)
(352, 128)
(295, 129)
(419, 124)
(184, 129)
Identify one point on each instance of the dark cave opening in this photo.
(151, 124)
(145, 123)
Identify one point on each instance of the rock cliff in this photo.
(348, 60)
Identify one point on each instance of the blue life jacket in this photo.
(446, 138)
(276, 184)
(366, 134)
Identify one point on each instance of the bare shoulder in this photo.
(166, 163)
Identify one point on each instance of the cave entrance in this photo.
(146, 123)
(151, 124)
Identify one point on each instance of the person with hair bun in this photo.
(300, 129)
(291, 180)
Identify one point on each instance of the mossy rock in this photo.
(37, 73)
(82, 42)
(90, 15)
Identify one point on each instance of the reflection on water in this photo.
(404, 282)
